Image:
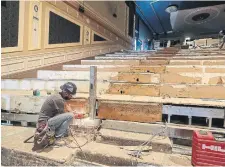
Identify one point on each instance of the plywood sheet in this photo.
(193, 91)
(138, 112)
(134, 89)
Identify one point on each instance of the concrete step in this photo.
(50, 85)
(115, 156)
(110, 62)
(176, 131)
(120, 58)
(158, 143)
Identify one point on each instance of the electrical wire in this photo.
(137, 154)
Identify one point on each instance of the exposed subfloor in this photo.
(15, 152)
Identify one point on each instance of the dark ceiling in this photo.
(158, 20)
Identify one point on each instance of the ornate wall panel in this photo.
(9, 23)
(62, 30)
(35, 25)
(98, 38)
(87, 35)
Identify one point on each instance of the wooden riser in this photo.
(138, 112)
(134, 89)
(168, 90)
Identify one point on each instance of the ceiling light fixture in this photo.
(171, 8)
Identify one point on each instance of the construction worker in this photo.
(53, 120)
(222, 34)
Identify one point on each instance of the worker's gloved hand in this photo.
(68, 108)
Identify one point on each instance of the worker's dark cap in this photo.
(222, 32)
(69, 87)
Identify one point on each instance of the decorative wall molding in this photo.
(35, 25)
(11, 65)
(19, 60)
(87, 35)
(89, 11)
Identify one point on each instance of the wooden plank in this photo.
(79, 105)
(75, 75)
(104, 68)
(154, 62)
(138, 112)
(193, 78)
(110, 62)
(217, 80)
(214, 62)
(178, 78)
(137, 77)
(215, 69)
(134, 89)
(126, 55)
(120, 58)
(185, 62)
(177, 69)
(193, 91)
(163, 100)
(150, 69)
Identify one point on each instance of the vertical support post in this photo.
(224, 119)
(189, 120)
(210, 122)
(169, 118)
(92, 92)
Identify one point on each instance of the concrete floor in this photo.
(99, 153)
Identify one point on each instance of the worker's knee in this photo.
(69, 115)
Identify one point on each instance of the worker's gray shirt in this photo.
(52, 106)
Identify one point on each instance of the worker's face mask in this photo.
(67, 96)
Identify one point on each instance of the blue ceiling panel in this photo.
(153, 13)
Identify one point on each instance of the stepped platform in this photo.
(15, 152)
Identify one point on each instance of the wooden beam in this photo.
(150, 69)
(154, 62)
(184, 68)
(104, 68)
(125, 111)
(120, 58)
(163, 100)
(137, 77)
(75, 75)
(193, 78)
(178, 78)
(126, 55)
(193, 91)
(110, 62)
(134, 89)
(215, 69)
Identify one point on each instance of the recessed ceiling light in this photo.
(171, 8)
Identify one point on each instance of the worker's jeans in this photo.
(60, 123)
